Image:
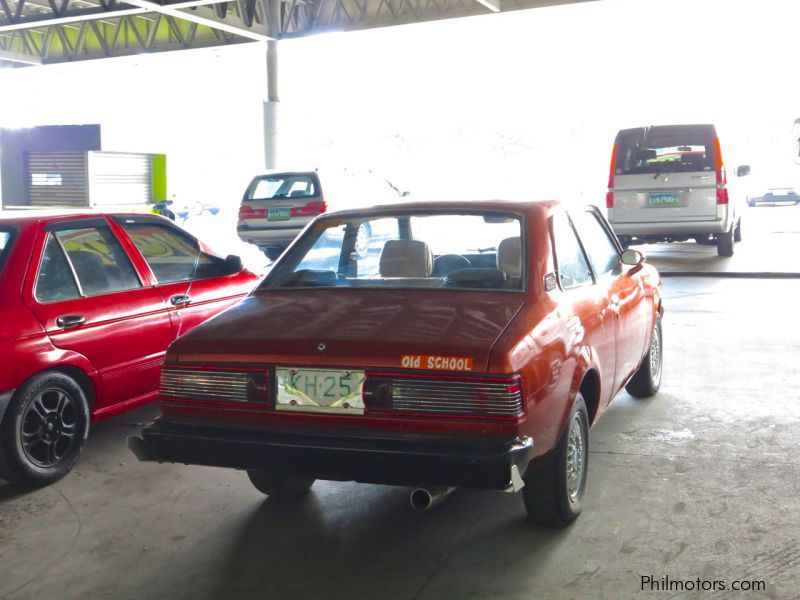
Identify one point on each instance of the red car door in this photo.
(625, 293)
(195, 284)
(589, 296)
(92, 300)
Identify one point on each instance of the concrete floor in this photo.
(702, 480)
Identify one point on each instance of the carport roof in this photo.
(36, 32)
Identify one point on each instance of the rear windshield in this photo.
(418, 250)
(5, 245)
(286, 185)
(666, 149)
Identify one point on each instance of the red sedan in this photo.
(90, 303)
(472, 344)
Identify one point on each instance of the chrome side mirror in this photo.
(632, 258)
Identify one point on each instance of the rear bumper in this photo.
(666, 228)
(382, 460)
(269, 236)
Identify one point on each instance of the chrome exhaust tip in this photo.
(427, 498)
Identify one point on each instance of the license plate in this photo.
(663, 199)
(279, 214)
(315, 390)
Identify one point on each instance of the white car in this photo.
(668, 183)
(277, 206)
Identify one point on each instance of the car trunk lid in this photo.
(343, 328)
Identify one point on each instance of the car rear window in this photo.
(275, 187)
(5, 245)
(665, 149)
(410, 250)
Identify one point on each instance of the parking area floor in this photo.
(701, 481)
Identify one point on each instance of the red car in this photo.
(90, 304)
(473, 344)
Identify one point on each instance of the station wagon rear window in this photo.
(665, 149)
(482, 251)
(277, 187)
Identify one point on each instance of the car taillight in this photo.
(440, 396)
(248, 212)
(722, 175)
(612, 170)
(217, 385)
(312, 209)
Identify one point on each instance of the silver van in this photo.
(668, 183)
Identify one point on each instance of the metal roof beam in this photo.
(16, 57)
(205, 16)
(112, 9)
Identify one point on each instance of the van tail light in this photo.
(722, 175)
(248, 212)
(312, 209)
(612, 170)
(444, 396)
(224, 385)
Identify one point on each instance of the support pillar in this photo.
(271, 106)
(272, 12)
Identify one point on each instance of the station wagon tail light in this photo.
(722, 176)
(248, 212)
(610, 193)
(485, 397)
(215, 385)
(312, 209)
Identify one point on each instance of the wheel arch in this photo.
(590, 390)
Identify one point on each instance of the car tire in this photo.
(362, 240)
(279, 485)
(44, 429)
(647, 379)
(725, 244)
(554, 490)
(737, 232)
(272, 253)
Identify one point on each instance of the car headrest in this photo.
(406, 258)
(509, 257)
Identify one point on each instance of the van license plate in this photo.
(316, 390)
(663, 199)
(279, 214)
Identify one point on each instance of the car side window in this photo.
(98, 260)
(571, 265)
(171, 256)
(600, 247)
(55, 280)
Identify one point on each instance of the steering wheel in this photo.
(445, 263)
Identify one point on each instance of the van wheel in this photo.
(279, 485)
(553, 492)
(725, 243)
(43, 431)
(647, 379)
(737, 232)
(272, 253)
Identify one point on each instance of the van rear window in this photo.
(665, 149)
(280, 186)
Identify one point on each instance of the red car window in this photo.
(171, 256)
(98, 260)
(55, 281)
(573, 270)
(601, 248)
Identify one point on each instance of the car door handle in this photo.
(180, 300)
(68, 321)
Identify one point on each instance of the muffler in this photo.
(427, 498)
